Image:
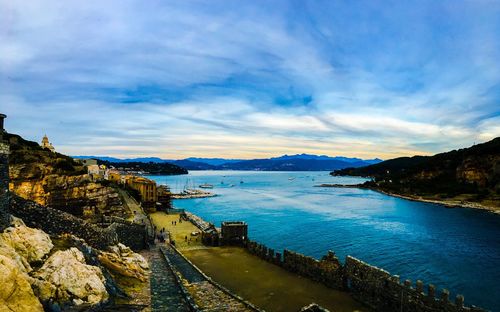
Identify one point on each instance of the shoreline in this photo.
(446, 203)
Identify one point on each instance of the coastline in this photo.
(446, 203)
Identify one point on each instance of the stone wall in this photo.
(328, 270)
(382, 291)
(376, 288)
(56, 222)
(129, 233)
(4, 185)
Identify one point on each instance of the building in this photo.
(97, 172)
(147, 190)
(113, 175)
(46, 144)
(164, 197)
(234, 232)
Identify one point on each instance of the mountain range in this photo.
(299, 162)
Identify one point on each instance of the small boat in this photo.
(206, 186)
(291, 179)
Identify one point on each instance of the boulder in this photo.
(65, 277)
(9, 252)
(123, 261)
(31, 244)
(16, 293)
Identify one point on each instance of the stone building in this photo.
(113, 175)
(164, 197)
(147, 190)
(96, 171)
(234, 233)
(46, 144)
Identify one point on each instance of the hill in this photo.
(56, 180)
(465, 175)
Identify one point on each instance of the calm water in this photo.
(458, 249)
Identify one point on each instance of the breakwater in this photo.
(375, 287)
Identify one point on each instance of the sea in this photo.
(453, 248)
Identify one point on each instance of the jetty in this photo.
(192, 193)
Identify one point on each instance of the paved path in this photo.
(207, 296)
(166, 294)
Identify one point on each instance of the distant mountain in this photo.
(292, 164)
(324, 157)
(469, 174)
(213, 161)
(299, 162)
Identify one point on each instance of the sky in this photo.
(251, 79)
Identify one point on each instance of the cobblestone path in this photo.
(165, 292)
(207, 296)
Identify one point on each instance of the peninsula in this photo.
(468, 177)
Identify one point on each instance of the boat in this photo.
(206, 186)
(291, 179)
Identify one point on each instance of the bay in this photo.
(453, 248)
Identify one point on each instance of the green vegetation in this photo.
(31, 154)
(162, 168)
(469, 174)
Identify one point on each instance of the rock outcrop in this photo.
(65, 277)
(16, 293)
(30, 244)
(55, 180)
(20, 246)
(123, 261)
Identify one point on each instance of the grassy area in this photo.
(178, 232)
(266, 285)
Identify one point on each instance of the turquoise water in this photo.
(457, 249)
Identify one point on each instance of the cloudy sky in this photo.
(251, 79)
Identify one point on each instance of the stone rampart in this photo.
(376, 288)
(382, 291)
(328, 270)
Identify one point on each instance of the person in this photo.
(186, 238)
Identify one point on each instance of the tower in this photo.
(4, 178)
(46, 144)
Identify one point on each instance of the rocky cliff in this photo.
(56, 180)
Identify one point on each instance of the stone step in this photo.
(166, 294)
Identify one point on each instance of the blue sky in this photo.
(251, 79)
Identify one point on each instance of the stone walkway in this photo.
(166, 294)
(207, 296)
